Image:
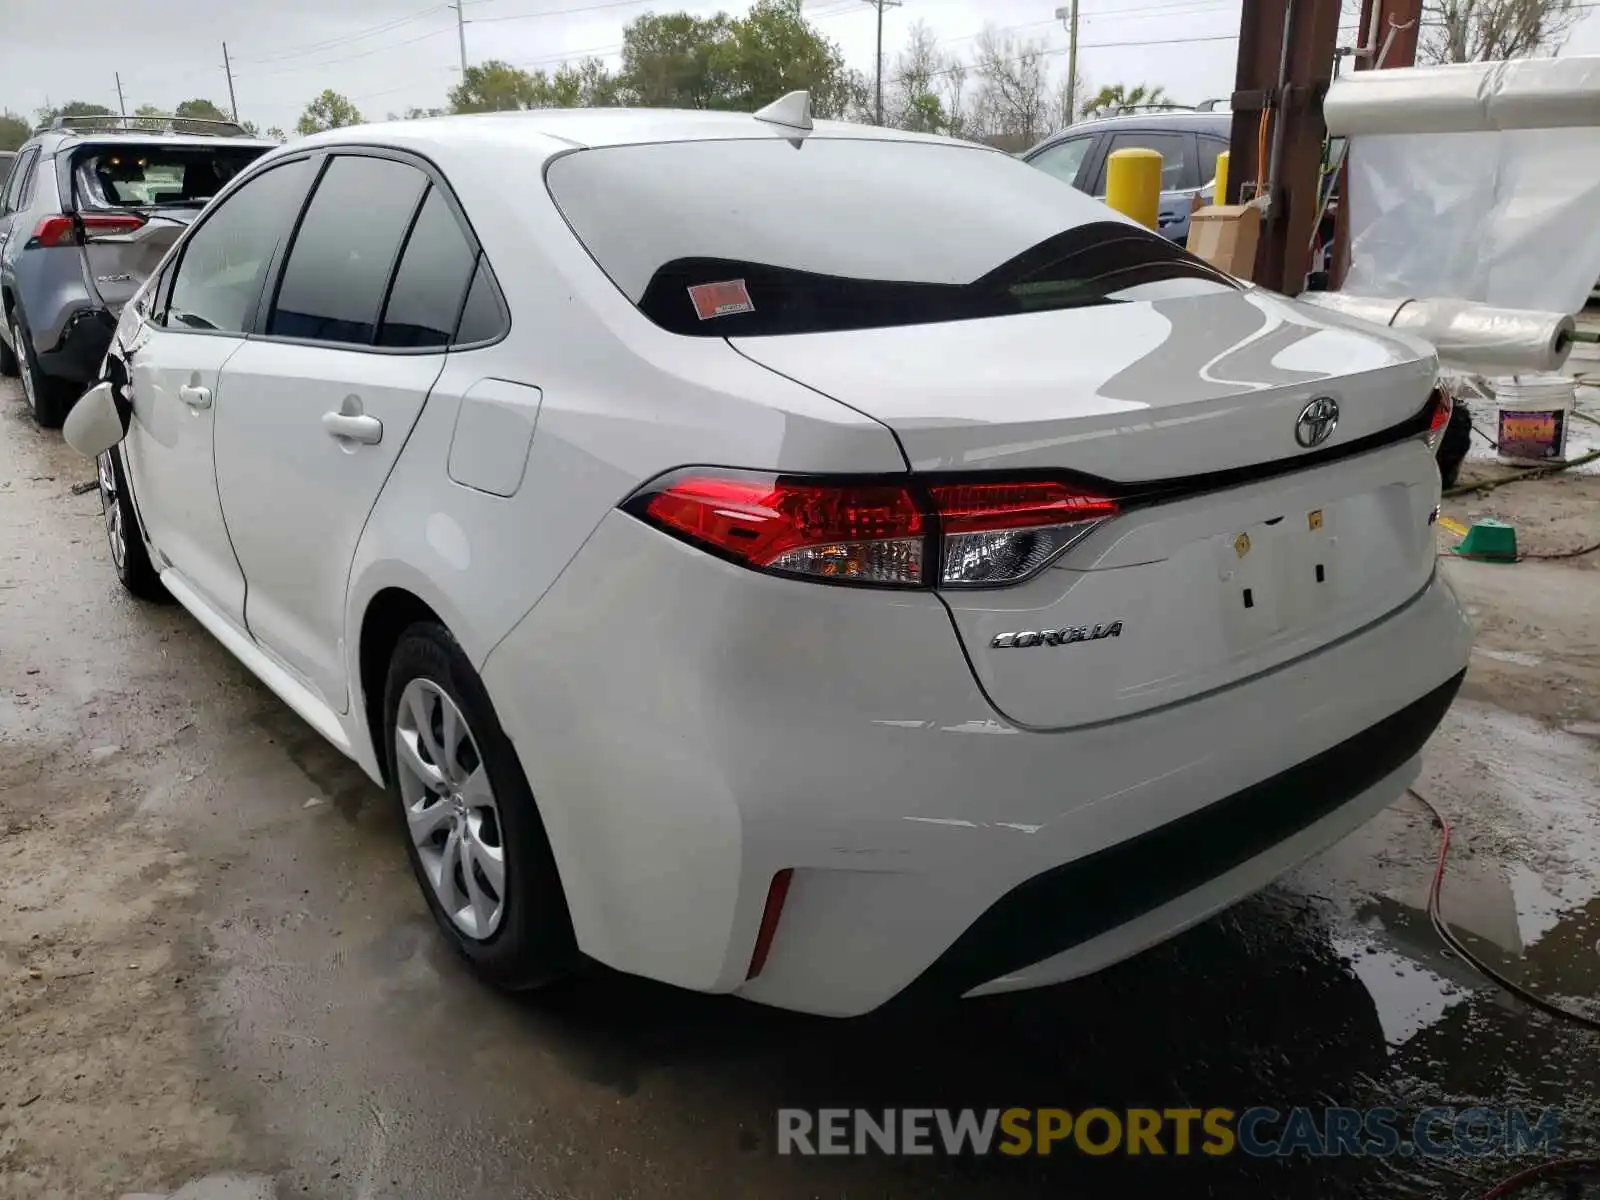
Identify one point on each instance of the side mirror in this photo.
(95, 424)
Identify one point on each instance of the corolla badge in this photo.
(1055, 637)
(1317, 422)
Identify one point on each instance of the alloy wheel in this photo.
(450, 808)
(24, 365)
(110, 502)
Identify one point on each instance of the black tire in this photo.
(8, 360)
(49, 398)
(533, 943)
(1454, 445)
(132, 561)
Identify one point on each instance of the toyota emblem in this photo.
(1317, 422)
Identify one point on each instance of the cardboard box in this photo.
(1225, 236)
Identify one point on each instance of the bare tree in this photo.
(1073, 106)
(928, 89)
(1491, 30)
(1015, 98)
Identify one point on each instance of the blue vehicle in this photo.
(1188, 141)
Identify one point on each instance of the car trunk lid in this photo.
(121, 250)
(1238, 548)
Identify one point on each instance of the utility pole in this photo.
(233, 105)
(461, 35)
(1069, 18)
(880, 5)
(121, 107)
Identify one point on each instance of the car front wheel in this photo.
(473, 833)
(129, 554)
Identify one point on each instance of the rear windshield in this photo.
(138, 175)
(758, 237)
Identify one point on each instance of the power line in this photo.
(1050, 51)
(330, 43)
(331, 62)
(555, 12)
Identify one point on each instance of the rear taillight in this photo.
(1440, 405)
(63, 231)
(968, 533)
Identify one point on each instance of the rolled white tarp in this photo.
(1469, 337)
(1478, 181)
(1531, 93)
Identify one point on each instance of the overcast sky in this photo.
(389, 54)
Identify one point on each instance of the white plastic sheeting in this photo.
(1478, 181)
(1468, 336)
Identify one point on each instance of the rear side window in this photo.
(484, 318)
(435, 270)
(339, 266)
(760, 237)
(1209, 149)
(224, 265)
(20, 171)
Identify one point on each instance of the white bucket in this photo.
(1533, 412)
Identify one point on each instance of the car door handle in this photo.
(353, 427)
(195, 396)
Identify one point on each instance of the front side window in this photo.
(760, 237)
(1063, 160)
(225, 261)
(345, 250)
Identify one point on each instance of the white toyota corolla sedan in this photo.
(813, 562)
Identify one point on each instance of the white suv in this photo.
(800, 561)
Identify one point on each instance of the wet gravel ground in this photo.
(213, 958)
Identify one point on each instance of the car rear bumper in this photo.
(691, 728)
(77, 356)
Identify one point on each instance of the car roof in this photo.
(591, 128)
(1182, 120)
(54, 139)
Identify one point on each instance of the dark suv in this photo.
(1188, 141)
(90, 207)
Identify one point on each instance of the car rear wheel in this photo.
(473, 832)
(129, 555)
(49, 398)
(1454, 445)
(8, 360)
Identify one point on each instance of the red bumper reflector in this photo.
(777, 893)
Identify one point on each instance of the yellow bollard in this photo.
(1220, 195)
(1133, 184)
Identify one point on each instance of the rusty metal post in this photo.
(1288, 77)
(1387, 37)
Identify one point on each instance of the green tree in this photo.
(74, 108)
(1115, 96)
(493, 86)
(14, 130)
(277, 134)
(149, 116)
(678, 60)
(328, 111)
(674, 60)
(201, 109)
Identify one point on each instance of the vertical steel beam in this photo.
(1287, 76)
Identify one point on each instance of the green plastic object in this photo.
(1492, 540)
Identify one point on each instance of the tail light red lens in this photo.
(1441, 404)
(862, 533)
(977, 533)
(63, 231)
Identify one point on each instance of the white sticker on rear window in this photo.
(721, 299)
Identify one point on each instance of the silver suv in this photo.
(89, 208)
